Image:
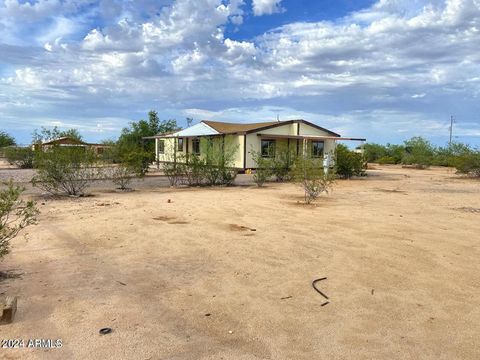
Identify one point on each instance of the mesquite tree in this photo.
(15, 214)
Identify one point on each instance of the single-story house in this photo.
(71, 142)
(297, 136)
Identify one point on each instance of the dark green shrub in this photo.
(22, 157)
(348, 163)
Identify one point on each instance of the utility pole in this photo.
(451, 130)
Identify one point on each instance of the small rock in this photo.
(230, 331)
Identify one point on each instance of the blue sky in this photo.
(385, 70)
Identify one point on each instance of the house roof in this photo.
(200, 129)
(64, 140)
(208, 128)
(228, 128)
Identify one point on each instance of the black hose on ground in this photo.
(319, 291)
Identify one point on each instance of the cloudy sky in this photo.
(385, 70)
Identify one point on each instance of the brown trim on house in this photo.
(308, 137)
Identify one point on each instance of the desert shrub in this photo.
(15, 214)
(219, 155)
(386, 160)
(174, 172)
(281, 164)
(308, 172)
(374, 152)
(194, 174)
(418, 152)
(122, 176)
(20, 156)
(67, 170)
(396, 152)
(228, 176)
(348, 163)
(138, 161)
(468, 163)
(447, 156)
(263, 169)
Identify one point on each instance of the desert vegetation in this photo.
(15, 214)
(214, 167)
(420, 153)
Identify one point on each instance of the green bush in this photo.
(6, 139)
(281, 164)
(15, 214)
(308, 172)
(22, 157)
(418, 152)
(67, 170)
(138, 161)
(348, 163)
(374, 152)
(263, 169)
(194, 172)
(447, 156)
(468, 164)
(386, 160)
(219, 160)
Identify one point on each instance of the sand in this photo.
(226, 273)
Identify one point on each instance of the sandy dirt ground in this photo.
(226, 273)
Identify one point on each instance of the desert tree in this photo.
(6, 139)
(15, 214)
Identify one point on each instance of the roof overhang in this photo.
(309, 137)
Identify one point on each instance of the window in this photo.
(196, 146)
(161, 146)
(180, 144)
(268, 148)
(317, 148)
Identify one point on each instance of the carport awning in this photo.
(310, 137)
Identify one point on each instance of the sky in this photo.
(385, 70)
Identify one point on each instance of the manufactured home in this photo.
(265, 138)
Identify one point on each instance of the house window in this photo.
(317, 148)
(196, 146)
(268, 148)
(161, 146)
(180, 144)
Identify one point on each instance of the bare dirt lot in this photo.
(226, 273)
